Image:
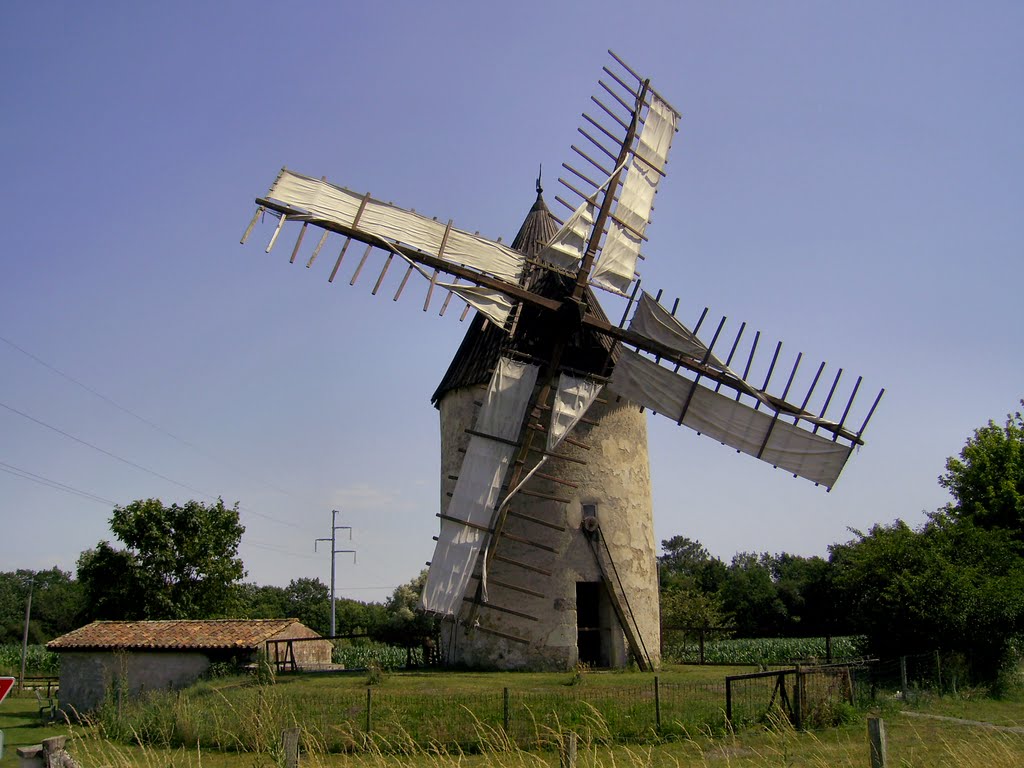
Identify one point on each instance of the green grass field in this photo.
(912, 742)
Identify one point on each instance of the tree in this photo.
(179, 561)
(256, 602)
(110, 582)
(309, 601)
(407, 624)
(804, 586)
(57, 603)
(949, 585)
(987, 480)
(687, 564)
(751, 596)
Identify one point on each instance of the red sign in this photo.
(6, 683)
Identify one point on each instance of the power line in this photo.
(143, 419)
(24, 474)
(105, 452)
(137, 466)
(273, 548)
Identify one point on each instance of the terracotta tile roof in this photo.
(220, 633)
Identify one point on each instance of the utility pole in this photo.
(24, 637)
(335, 551)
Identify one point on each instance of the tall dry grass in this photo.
(924, 743)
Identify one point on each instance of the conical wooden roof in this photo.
(478, 354)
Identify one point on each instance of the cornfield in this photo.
(384, 657)
(761, 651)
(38, 660)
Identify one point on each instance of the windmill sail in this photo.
(467, 521)
(407, 234)
(617, 265)
(756, 433)
(574, 396)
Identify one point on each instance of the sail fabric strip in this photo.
(572, 400)
(494, 304)
(617, 265)
(722, 418)
(330, 203)
(476, 490)
(566, 248)
(655, 322)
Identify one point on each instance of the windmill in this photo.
(545, 555)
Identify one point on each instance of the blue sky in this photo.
(848, 178)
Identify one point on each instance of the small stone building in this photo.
(157, 655)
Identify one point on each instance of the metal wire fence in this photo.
(345, 720)
(823, 695)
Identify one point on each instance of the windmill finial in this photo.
(540, 172)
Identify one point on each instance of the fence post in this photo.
(828, 649)
(506, 716)
(567, 754)
(903, 675)
(657, 704)
(728, 703)
(938, 671)
(369, 709)
(290, 747)
(702, 646)
(876, 740)
(798, 694)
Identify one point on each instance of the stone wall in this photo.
(86, 676)
(616, 479)
(309, 653)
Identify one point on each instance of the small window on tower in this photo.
(589, 510)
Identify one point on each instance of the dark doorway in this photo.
(590, 632)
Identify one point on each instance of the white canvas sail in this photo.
(469, 512)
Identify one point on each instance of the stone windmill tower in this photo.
(573, 577)
(545, 554)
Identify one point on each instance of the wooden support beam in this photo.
(547, 496)
(499, 609)
(537, 520)
(528, 542)
(506, 635)
(524, 566)
(516, 588)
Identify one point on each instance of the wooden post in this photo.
(876, 741)
(938, 671)
(728, 703)
(567, 754)
(798, 695)
(506, 715)
(702, 645)
(290, 747)
(828, 649)
(904, 692)
(657, 704)
(54, 754)
(369, 709)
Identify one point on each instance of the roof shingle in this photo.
(172, 634)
